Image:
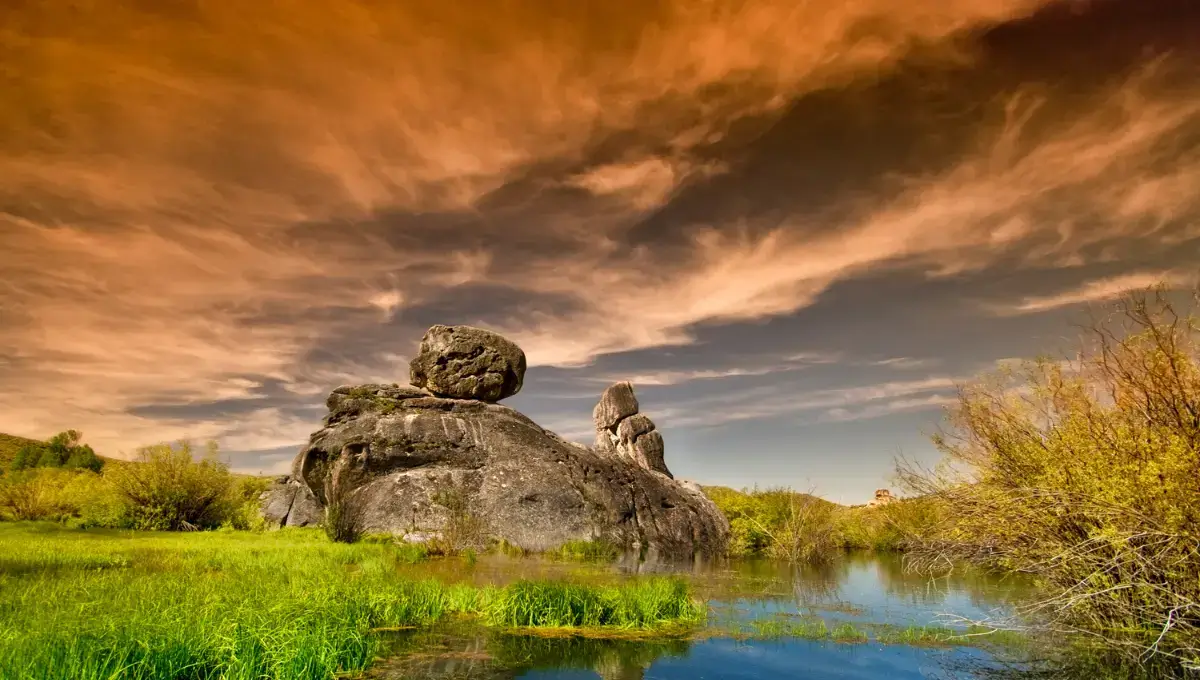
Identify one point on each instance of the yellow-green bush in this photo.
(165, 488)
(1086, 473)
(784, 524)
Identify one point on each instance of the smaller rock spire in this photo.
(624, 432)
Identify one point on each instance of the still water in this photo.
(874, 594)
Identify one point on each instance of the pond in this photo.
(863, 617)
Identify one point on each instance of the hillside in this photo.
(10, 444)
(725, 493)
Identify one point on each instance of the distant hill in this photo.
(717, 492)
(10, 444)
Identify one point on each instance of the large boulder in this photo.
(462, 362)
(405, 461)
(624, 432)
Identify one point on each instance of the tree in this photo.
(63, 450)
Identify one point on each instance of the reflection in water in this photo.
(495, 656)
(863, 590)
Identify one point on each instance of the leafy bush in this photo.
(167, 489)
(59, 495)
(890, 527)
(778, 523)
(33, 495)
(799, 527)
(63, 450)
(1085, 473)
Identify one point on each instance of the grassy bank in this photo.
(288, 604)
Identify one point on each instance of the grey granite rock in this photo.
(417, 465)
(462, 362)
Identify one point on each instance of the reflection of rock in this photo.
(414, 464)
(616, 668)
(882, 497)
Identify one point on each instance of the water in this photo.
(872, 593)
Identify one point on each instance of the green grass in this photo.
(637, 604)
(288, 604)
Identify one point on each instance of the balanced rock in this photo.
(623, 432)
(462, 362)
(405, 461)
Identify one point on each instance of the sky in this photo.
(795, 226)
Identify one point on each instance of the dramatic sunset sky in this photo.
(794, 225)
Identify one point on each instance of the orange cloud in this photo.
(153, 169)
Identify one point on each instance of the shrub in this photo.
(779, 523)
(1085, 473)
(63, 450)
(167, 489)
(34, 495)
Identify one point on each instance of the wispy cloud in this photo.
(193, 202)
(1099, 290)
(790, 400)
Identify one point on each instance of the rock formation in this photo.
(623, 431)
(462, 362)
(441, 459)
(882, 497)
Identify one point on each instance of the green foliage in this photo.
(166, 489)
(10, 445)
(463, 529)
(169, 490)
(797, 527)
(288, 604)
(638, 604)
(1084, 473)
(890, 527)
(63, 450)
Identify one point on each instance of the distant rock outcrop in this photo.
(882, 497)
(410, 461)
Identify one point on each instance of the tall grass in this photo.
(1085, 473)
(290, 604)
(639, 604)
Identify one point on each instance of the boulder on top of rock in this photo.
(617, 402)
(463, 362)
(623, 432)
(398, 459)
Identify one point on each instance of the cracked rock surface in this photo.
(622, 431)
(407, 461)
(462, 362)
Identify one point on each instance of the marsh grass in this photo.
(85, 605)
(640, 604)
